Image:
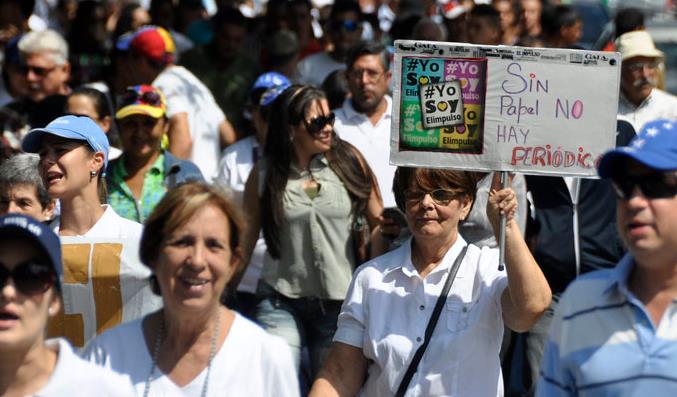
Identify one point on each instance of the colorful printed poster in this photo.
(443, 104)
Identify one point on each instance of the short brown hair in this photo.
(431, 179)
(177, 207)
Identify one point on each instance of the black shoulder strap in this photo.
(411, 370)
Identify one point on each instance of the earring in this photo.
(92, 174)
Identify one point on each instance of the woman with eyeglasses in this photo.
(31, 365)
(384, 321)
(316, 200)
(143, 174)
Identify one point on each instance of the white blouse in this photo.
(386, 312)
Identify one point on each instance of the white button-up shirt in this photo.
(387, 309)
(373, 141)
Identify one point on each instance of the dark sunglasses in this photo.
(316, 124)
(151, 98)
(348, 25)
(30, 277)
(38, 71)
(652, 186)
(439, 196)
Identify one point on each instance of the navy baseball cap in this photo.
(26, 228)
(80, 128)
(655, 146)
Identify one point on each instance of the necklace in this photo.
(156, 351)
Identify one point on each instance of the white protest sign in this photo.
(527, 110)
(104, 285)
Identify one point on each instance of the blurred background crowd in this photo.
(226, 44)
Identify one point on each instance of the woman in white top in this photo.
(195, 346)
(391, 298)
(30, 269)
(73, 158)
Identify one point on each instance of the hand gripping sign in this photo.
(499, 108)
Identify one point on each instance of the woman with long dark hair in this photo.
(316, 200)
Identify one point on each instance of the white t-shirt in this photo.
(373, 141)
(237, 162)
(186, 93)
(387, 309)
(313, 69)
(74, 376)
(249, 363)
(118, 272)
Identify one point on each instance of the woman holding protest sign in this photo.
(30, 273)
(195, 346)
(315, 198)
(435, 282)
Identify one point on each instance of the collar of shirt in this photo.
(120, 172)
(619, 276)
(317, 163)
(352, 114)
(629, 105)
(407, 266)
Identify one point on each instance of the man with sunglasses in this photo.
(614, 330)
(640, 101)
(344, 31)
(44, 72)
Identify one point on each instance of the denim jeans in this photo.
(302, 322)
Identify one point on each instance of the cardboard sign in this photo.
(497, 108)
(104, 284)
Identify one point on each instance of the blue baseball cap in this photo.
(80, 128)
(270, 80)
(26, 228)
(655, 146)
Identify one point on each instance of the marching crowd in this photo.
(196, 199)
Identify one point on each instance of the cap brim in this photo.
(652, 159)
(32, 142)
(10, 231)
(643, 53)
(145, 110)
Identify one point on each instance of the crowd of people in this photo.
(196, 199)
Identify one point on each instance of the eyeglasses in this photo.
(348, 25)
(316, 124)
(38, 71)
(639, 66)
(30, 277)
(372, 75)
(652, 186)
(439, 196)
(132, 96)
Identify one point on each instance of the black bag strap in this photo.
(411, 370)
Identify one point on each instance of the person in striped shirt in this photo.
(615, 330)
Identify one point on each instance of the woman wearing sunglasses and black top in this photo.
(30, 270)
(314, 196)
